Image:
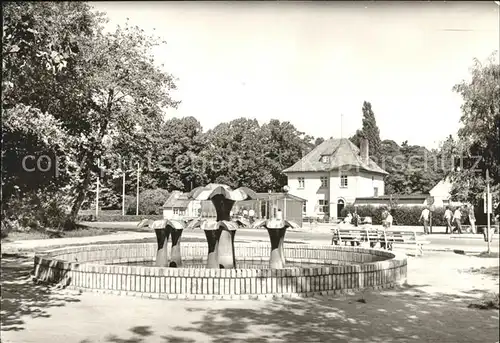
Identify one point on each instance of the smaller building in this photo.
(267, 206)
(178, 205)
(442, 193)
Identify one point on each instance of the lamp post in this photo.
(137, 204)
(286, 189)
(269, 204)
(97, 189)
(123, 188)
(488, 210)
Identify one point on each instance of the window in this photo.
(375, 191)
(302, 182)
(343, 181)
(325, 159)
(304, 207)
(324, 181)
(179, 211)
(323, 206)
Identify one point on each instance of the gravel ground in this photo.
(432, 307)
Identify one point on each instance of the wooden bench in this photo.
(406, 237)
(355, 235)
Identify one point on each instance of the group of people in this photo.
(248, 214)
(455, 219)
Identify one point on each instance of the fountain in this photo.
(229, 270)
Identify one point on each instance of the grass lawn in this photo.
(36, 234)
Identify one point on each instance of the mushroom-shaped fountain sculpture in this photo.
(165, 229)
(220, 233)
(276, 229)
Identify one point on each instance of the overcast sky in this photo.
(311, 62)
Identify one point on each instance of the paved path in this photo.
(431, 308)
(439, 242)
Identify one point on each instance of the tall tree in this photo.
(40, 48)
(369, 130)
(86, 88)
(180, 142)
(235, 155)
(284, 146)
(479, 136)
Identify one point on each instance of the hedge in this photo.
(115, 218)
(402, 215)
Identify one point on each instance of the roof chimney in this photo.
(364, 152)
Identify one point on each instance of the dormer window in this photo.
(325, 158)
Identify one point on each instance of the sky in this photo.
(314, 63)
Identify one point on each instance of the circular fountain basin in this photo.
(311, 270)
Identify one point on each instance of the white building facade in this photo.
(333, 175)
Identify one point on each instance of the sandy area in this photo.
(431, 308)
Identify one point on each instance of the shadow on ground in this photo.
(406, 314)
(20, 297)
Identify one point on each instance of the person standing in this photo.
(457, 220)
(251, 215)
(385, 216)
(472, 218)
(448, 215)
(355, 217)
(387, 226)
(424, 217)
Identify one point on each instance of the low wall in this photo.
(94, 268)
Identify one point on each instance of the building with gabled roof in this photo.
(334, 174)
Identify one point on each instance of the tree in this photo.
(369, 130)
(235, 155)
(179, 143)
(284, 146)
(318, 141)
(479, 135)
(40, 45)
(87, 90)
(411, 168)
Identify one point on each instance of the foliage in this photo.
(402, 215)
(40, 45)
(479, 136)
(151, 201)
(77, 91)
(178, 166)
(412, 168)
(369, 130)
(116, 218)
(35, 211)
(284, 145)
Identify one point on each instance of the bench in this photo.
(406, 237)
(356, 235)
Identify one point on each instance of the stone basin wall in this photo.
(343, 270)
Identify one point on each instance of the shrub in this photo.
(150, 202)
(116, 218)
(34, 211)
(130, 204)
(402, 215)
